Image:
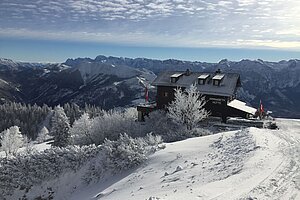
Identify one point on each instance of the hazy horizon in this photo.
(58, 52)
(42, 30)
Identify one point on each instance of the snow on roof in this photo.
(218, 77)
(228, 87)
(241, 106)
(176, 75)
(203, 76)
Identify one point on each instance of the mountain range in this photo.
(117, 82)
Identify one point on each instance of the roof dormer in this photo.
(202, 79)
(217, 79)
(175, 77)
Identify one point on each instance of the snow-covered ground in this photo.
(36, 147)
(248, 164)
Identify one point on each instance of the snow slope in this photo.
(248, 164)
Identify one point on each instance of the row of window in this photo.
(201, 81)
(215, 82)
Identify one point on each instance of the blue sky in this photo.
(204, 30)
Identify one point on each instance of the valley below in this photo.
(111, 82)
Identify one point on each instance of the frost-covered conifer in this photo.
(27, 117)
(188, 107)
(43, 135)
(60, 127)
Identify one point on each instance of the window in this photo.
(175, 77)
(201, 81)
(216, 82)
(217, 79)
(173, 80)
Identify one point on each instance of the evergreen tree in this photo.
(72, 111)
(43, 135)
(27, 117)
(60, 127)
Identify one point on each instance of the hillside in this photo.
(100, 84)
(111, 82)
(277, 84)
(246, 164)
(249, 164)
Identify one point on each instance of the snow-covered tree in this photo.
(27, 117)
(60, 127)
(28, 147)
(72, 111)
(43, 135)
(11, 140)
(112, 123)
(159, 123)
(127, 152)
(188, 107)
(81, 131)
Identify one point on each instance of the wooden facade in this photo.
(164, 96)
(218, 88)
(217, 105)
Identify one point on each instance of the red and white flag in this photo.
(261, 108)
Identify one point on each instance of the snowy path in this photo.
(249, 164)
(284, 181)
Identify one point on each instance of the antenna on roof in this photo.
(218, 71)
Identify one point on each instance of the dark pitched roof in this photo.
(227, 86)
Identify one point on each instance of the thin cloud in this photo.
(188, 23)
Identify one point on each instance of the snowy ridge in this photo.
(3, 82)
(247, 164)
(89, 70)
(275, 83)
(6, 61)
(93, 71)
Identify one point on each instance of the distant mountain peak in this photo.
(5, 60)
(114, 80)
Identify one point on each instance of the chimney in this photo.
(187, 72)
